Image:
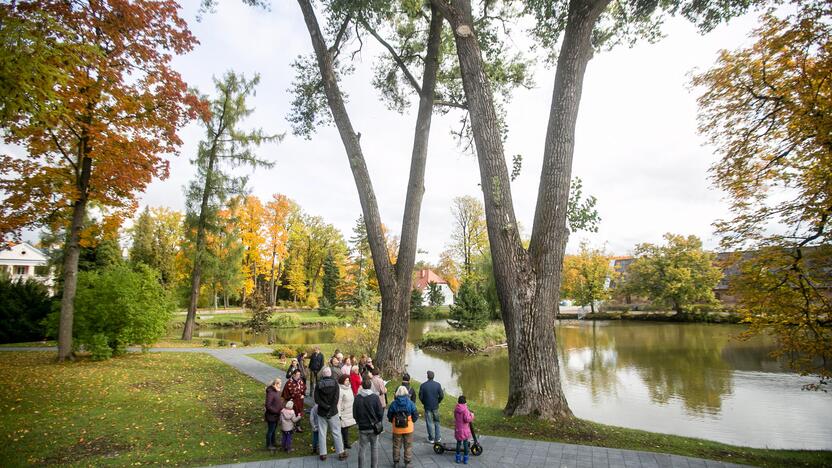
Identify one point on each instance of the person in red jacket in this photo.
(295, 390)
(355, 380)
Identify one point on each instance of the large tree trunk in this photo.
(527, 281)
(394, 281)
(72, 252)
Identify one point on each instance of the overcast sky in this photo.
(637, 148)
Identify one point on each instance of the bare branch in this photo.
(410, 78)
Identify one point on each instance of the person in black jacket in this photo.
(327, 394)
(406, 384)
(367, 410)
(316, 363)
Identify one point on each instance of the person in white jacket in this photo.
(345, 402)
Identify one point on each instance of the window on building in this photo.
(21, 269)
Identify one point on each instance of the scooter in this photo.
(476, 449)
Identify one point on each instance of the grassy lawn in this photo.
(164, 409)
(490, 420)
(471, 341)
(30, 344)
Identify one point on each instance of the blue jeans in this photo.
(463, 443)
(272, 426)
(432, 421)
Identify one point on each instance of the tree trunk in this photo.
(70, 272)
(528, 282)
(196, 274)
(394, 281)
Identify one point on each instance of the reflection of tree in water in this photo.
(482, 379)
(589, 359)
(678, 361)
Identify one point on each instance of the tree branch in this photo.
(410, 78)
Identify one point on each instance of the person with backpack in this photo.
(431, 394)
(368, 413)
(462, 428)
(402, 413)
(288, 418)
(327, 394)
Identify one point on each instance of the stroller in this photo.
(476, 449)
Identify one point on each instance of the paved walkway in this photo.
(498, 452)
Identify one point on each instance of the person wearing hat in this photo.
(402, 413)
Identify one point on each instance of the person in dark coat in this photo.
(367, 410)
(431, 394)
(327, 395)
(274, 405)
(302, 366)
(316, 363)
(406, 384)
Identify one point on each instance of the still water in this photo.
(686, 379)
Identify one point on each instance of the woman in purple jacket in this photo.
(274, 405)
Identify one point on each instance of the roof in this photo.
(427, 276)
(24, 252)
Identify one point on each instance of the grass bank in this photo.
(163, 409)
(655, 316)
(306, 318)
(470, 341)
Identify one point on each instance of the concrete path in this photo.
(498, 452)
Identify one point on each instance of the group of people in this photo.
(350, 392)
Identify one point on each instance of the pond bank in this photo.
(654, 316)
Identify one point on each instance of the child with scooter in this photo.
(462, 429)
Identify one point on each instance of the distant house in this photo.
(22, 261)
(424, 278)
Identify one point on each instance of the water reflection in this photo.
(688, 379)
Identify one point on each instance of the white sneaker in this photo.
(430, 441)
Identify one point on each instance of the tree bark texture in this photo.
(394, 280)
(73, 250)
(527, 281)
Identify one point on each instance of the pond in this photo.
(686, 379)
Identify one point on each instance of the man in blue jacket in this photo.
(431, 394)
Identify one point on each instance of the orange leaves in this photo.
(119, 105)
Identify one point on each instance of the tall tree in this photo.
(767, 109)
(469, 236)
(102, 130)
(250, 218)
(416, 31)
(227, 145)
(585, 276)
(528, 280)
(676, 274)
(277, 219)
(332, 277)
(157, 235)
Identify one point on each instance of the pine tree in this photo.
(470, 309)
(331, 279)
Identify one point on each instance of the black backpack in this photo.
(400, 419)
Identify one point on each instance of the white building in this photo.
(424, 278)
(22, 262)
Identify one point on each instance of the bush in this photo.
(363, 335)
(124, 305)
(222, 343)
(206, 343)
(417, 308)
(470, 309)
(287, 351)
(286, 320)
(99, 348)
(23, 307)
(325, 308)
